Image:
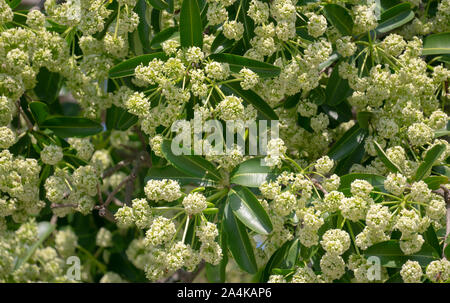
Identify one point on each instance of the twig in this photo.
(115, 168)
(25, 117)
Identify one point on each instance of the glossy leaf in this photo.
(284, 257)
(436, 44)
(395, 17)
(385, 159)
(158, 4)
(192, 165)
(251, 173)
(162, 36)
(340, 18)
(191, 29)
(66, 126)
(434, 182)
(347, 143)
(236, 63)
(126, 68)
(363, 119)
(391, 255)
(337, 89)
(48, 85)
(249, 210)
(39, 110)
(430, 158)
(239, 242)
(375, 180)
(119, 119)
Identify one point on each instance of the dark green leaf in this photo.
(375, 180)
(248, 23)
(142, 9)
(236, 63)
(434, 182)
(432, 239)
(119, 119)
(436, 44)
(347, 143)
(191, 29)
(158, 4)
(238, 242)
(384, 158)
(48, 85)
(126, 68)
(66, 126)
(251, 173)
(192, 165)
(340, 18)
(249, 210)
(430, 158)
(363, 119)
(395, 17)
(162, 36)
(337, 89)
(391, 255)
(39, 110)
(284, 257)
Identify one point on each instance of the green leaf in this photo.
(385, 159)
(119, 119)
(248, 23)
(436, 44)
(347, 143)
(337, 89)
(158, 4)
(430, 158)
(395, 17)
(170, 172)
(67, 126)
(192, 165)
(363, 119)
(239, 242)
(432, 239)
(284, 257)
(162, 36)
(434, 182)
(44, 231)
(143, 29)
(13, 3)
(249, 210)
(48, 85)
(443, 131)
(126, 68)
(447, 252)
(39, 110)
(375, 180)
(191, 29)
(340, 18)
(254, 99)
(221, 43)
(264, 70)
(251, 173)
(391, 255)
